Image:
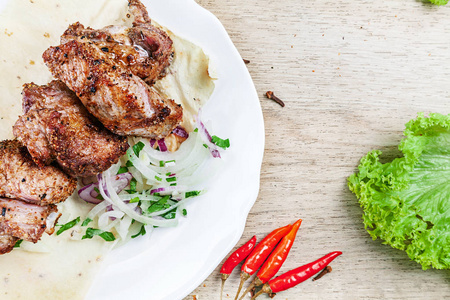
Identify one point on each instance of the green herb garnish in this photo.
(191, 194)
(171, 179)
(99, 196)
(86, 222)
(134, 200)
(137, 148)
(129, 164)
(141, 232)
(122, 170)
(106, 235)
(68, 225)
(159, 205)
(132, 189)
(224, 144)
(17, 244)
(170, 214)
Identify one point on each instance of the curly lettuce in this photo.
(439, 2)
(406, 202)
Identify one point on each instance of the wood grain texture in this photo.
(351, 73)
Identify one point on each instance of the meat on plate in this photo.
(56, 126)
(21, 178)
(111, 70)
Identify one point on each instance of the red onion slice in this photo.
(204, 133)
(181, 132)
(162, 145)
(204, 130)
(215, 153)
(89, 194)
(163, 190)
(152, 142)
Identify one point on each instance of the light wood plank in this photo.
(351, 73)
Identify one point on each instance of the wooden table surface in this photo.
(351, 73)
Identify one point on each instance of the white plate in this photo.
(174, 261)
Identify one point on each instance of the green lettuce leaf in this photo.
(406, 202)
(439, 2)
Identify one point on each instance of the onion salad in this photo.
(150, 186)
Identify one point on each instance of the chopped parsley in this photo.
(137, 148)
(192, 194)
(17, 245)
(67, 226)
(86, 222)
(106, 235)
(224, 144)
(122, 170)
(129, 164)
(132, 189)
(99, 196)
(159, 205)
(171, 179)
(134, 200)
(141, 232)
(170, 214)
(184, 211)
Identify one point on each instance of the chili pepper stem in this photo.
(244, 277)
(255, 282)
(265, 289)
(224, 277)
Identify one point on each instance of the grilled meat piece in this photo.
(26, 221)
(144, 50)
(56, 126)
(122, 101)
(7, 243)
(21, 178)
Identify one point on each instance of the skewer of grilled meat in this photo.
(122, 101)
(21, 178)
(56, 126)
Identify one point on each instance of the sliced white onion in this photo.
(136, 174)
(124, 227)
(104, 219)
(114, 199)
(181, 171)
(162, 145)
(97, 209)
(148, 173)
(89, 193)
(142, 197)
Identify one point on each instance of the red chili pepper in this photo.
(276, 259)
(260, 253)
(298, 275)
(235, 258)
